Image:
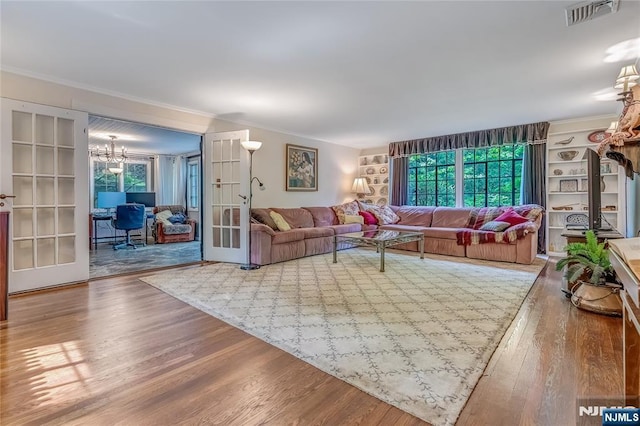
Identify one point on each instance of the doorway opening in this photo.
(157, 167)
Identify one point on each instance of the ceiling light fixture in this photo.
(109, 155)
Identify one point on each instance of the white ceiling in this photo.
(359, 73)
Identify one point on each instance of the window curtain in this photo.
(180, 181)
(530, 133)
(534, 187)
(399, 181)
(163, 179)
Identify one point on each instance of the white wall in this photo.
(336, 164)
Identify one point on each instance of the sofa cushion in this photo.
(415, 215)
(451, 217)
(346, 228)
(323, 216)
(404, 228)
(351, 208)
(317, 232)
(296, 217)
(177, 229)
(348, 218)
(288, 236)
(511, 217)
(369, 218)
(280, 222)
(442, 233)
(263, 216)
(495, 226)
(177, 218)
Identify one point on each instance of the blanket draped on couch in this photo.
(474, 235)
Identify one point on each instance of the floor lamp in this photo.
(251, 146)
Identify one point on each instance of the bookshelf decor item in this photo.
(569, 185)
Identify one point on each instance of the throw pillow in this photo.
(350, 218)
(350, 208)
(280, 222)
(177, 218)
(384, 214)
(512, 217)
(369, 218)
(164, 216)
(495, 226)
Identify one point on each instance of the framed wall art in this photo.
(301, 168)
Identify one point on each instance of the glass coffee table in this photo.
(380, 239)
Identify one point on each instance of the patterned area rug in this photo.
(417, 336)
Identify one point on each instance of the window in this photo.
(490, 177)
(193, 184)
(135, 177)
(432, 179)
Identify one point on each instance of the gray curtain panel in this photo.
(534, 187)
(399, 181)
(530, 133)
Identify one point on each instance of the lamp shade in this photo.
(627, 77)
(116, 169)
(612, 128)
(629, 72)
(251, 145)
(360, 186)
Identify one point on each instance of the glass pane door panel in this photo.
(216, 237)
(235, 172)
(22, 158)
(22, 223)
(65, 161)
(65, 132)
(46, 221)
(46, 253)
(235, 243)
(235, 150)
(66, 192)
(23, 254)
(66, 220)
(226, 152)
(45, 195)
(23, 190)
(44, 129)
(22, 129)
(44, 160)
(66, 249)
(226, 238)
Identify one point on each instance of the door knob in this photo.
(3, 196)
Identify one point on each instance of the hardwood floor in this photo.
(118, 351)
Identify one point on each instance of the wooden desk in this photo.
(631, 351)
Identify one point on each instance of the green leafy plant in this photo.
(587, 261)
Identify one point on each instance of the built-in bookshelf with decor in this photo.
(567, 186)
(375, 169)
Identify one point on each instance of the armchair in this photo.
(129, 217)
(167, 232)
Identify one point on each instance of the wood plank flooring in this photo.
(118, 351)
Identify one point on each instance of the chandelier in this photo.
(110, 156)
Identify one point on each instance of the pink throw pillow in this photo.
(369, 218)
(511, 217)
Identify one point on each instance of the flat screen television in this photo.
(110, 200)
(594, 187)
(146, 198)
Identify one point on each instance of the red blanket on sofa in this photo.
(474, 235)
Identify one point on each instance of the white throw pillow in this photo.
(164, 216)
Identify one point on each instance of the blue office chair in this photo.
(129, 217)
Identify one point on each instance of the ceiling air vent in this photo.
(585, 11)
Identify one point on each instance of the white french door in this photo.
(44, 165)
(225, 182)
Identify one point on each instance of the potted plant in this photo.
(590, 277)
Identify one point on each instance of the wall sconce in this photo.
(360, 187)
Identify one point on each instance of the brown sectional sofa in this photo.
(313, 229)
